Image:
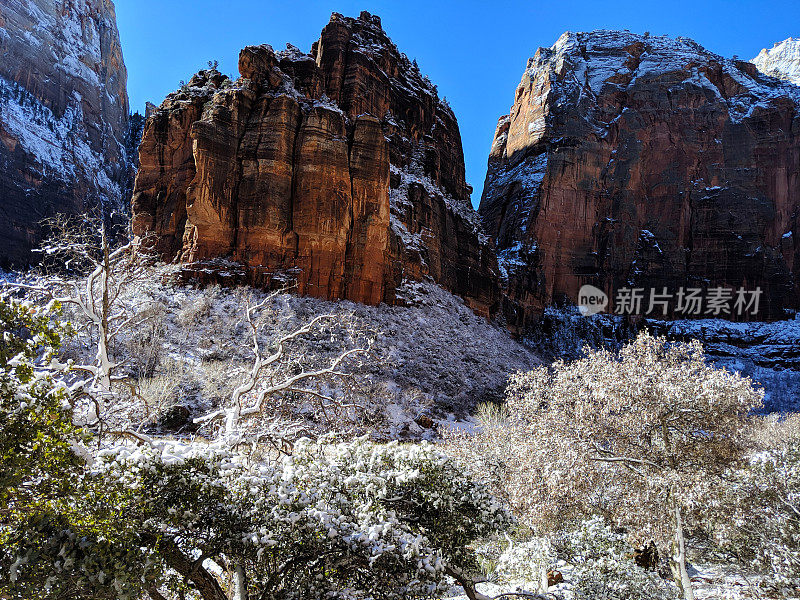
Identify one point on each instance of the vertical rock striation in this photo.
(63, 116)
(340, 170)
(631, 160)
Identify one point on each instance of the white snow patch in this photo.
(781, 61)
(59, 145)
(399, 196)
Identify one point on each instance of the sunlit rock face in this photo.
(63, 116)
(340, 170)
(631, 160)
(781, 61)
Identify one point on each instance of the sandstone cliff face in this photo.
(644, 161)
(63, 115)
(340, 170)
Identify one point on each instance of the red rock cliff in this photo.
(340, 169)
(63, 116)
(644, 161)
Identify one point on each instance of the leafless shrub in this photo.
(273, 401)
(157, 393)
(776, 431)
(197, 308)
(141, 350)
(756, 516)
(95, 278)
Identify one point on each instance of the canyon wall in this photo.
(63, 116)
(340, 171)
(637, 161)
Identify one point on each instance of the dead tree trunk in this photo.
(678, 559)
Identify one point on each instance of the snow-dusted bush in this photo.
(340, 520)
(611, 578)
(198, 308)
(773, 431)
(636, 435)
(592, 539)
(575, 439)
(757, 516)
(333, 520)
(596, 563)
(345, 520)
(602, 567)
(526, 562)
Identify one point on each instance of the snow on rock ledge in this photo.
(63, 115)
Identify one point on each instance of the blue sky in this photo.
(475, 52)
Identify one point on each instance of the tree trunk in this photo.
(465, 582)
(205, 583)
(154, 594)
(544, 581)
(239, 583)
(678, 559)
(102, 351)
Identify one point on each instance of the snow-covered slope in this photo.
(433, 355)
(781, 61)
(767, 352)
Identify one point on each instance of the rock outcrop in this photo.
(340, 170)
(63, 116)
(781, 61)
(631, 160)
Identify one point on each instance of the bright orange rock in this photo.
(341, 171)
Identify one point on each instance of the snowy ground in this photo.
(709, 582)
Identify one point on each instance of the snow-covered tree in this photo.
(347, 520)
(99, 278)
(636, 436)
(84, 518)
(49, 546)
(756, 516)
(257, 408)
(94, 279)
(603, 567)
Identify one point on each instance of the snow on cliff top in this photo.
(781, 61)
(581, 65)
(598, 55)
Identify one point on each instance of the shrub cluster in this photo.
(91, 518)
